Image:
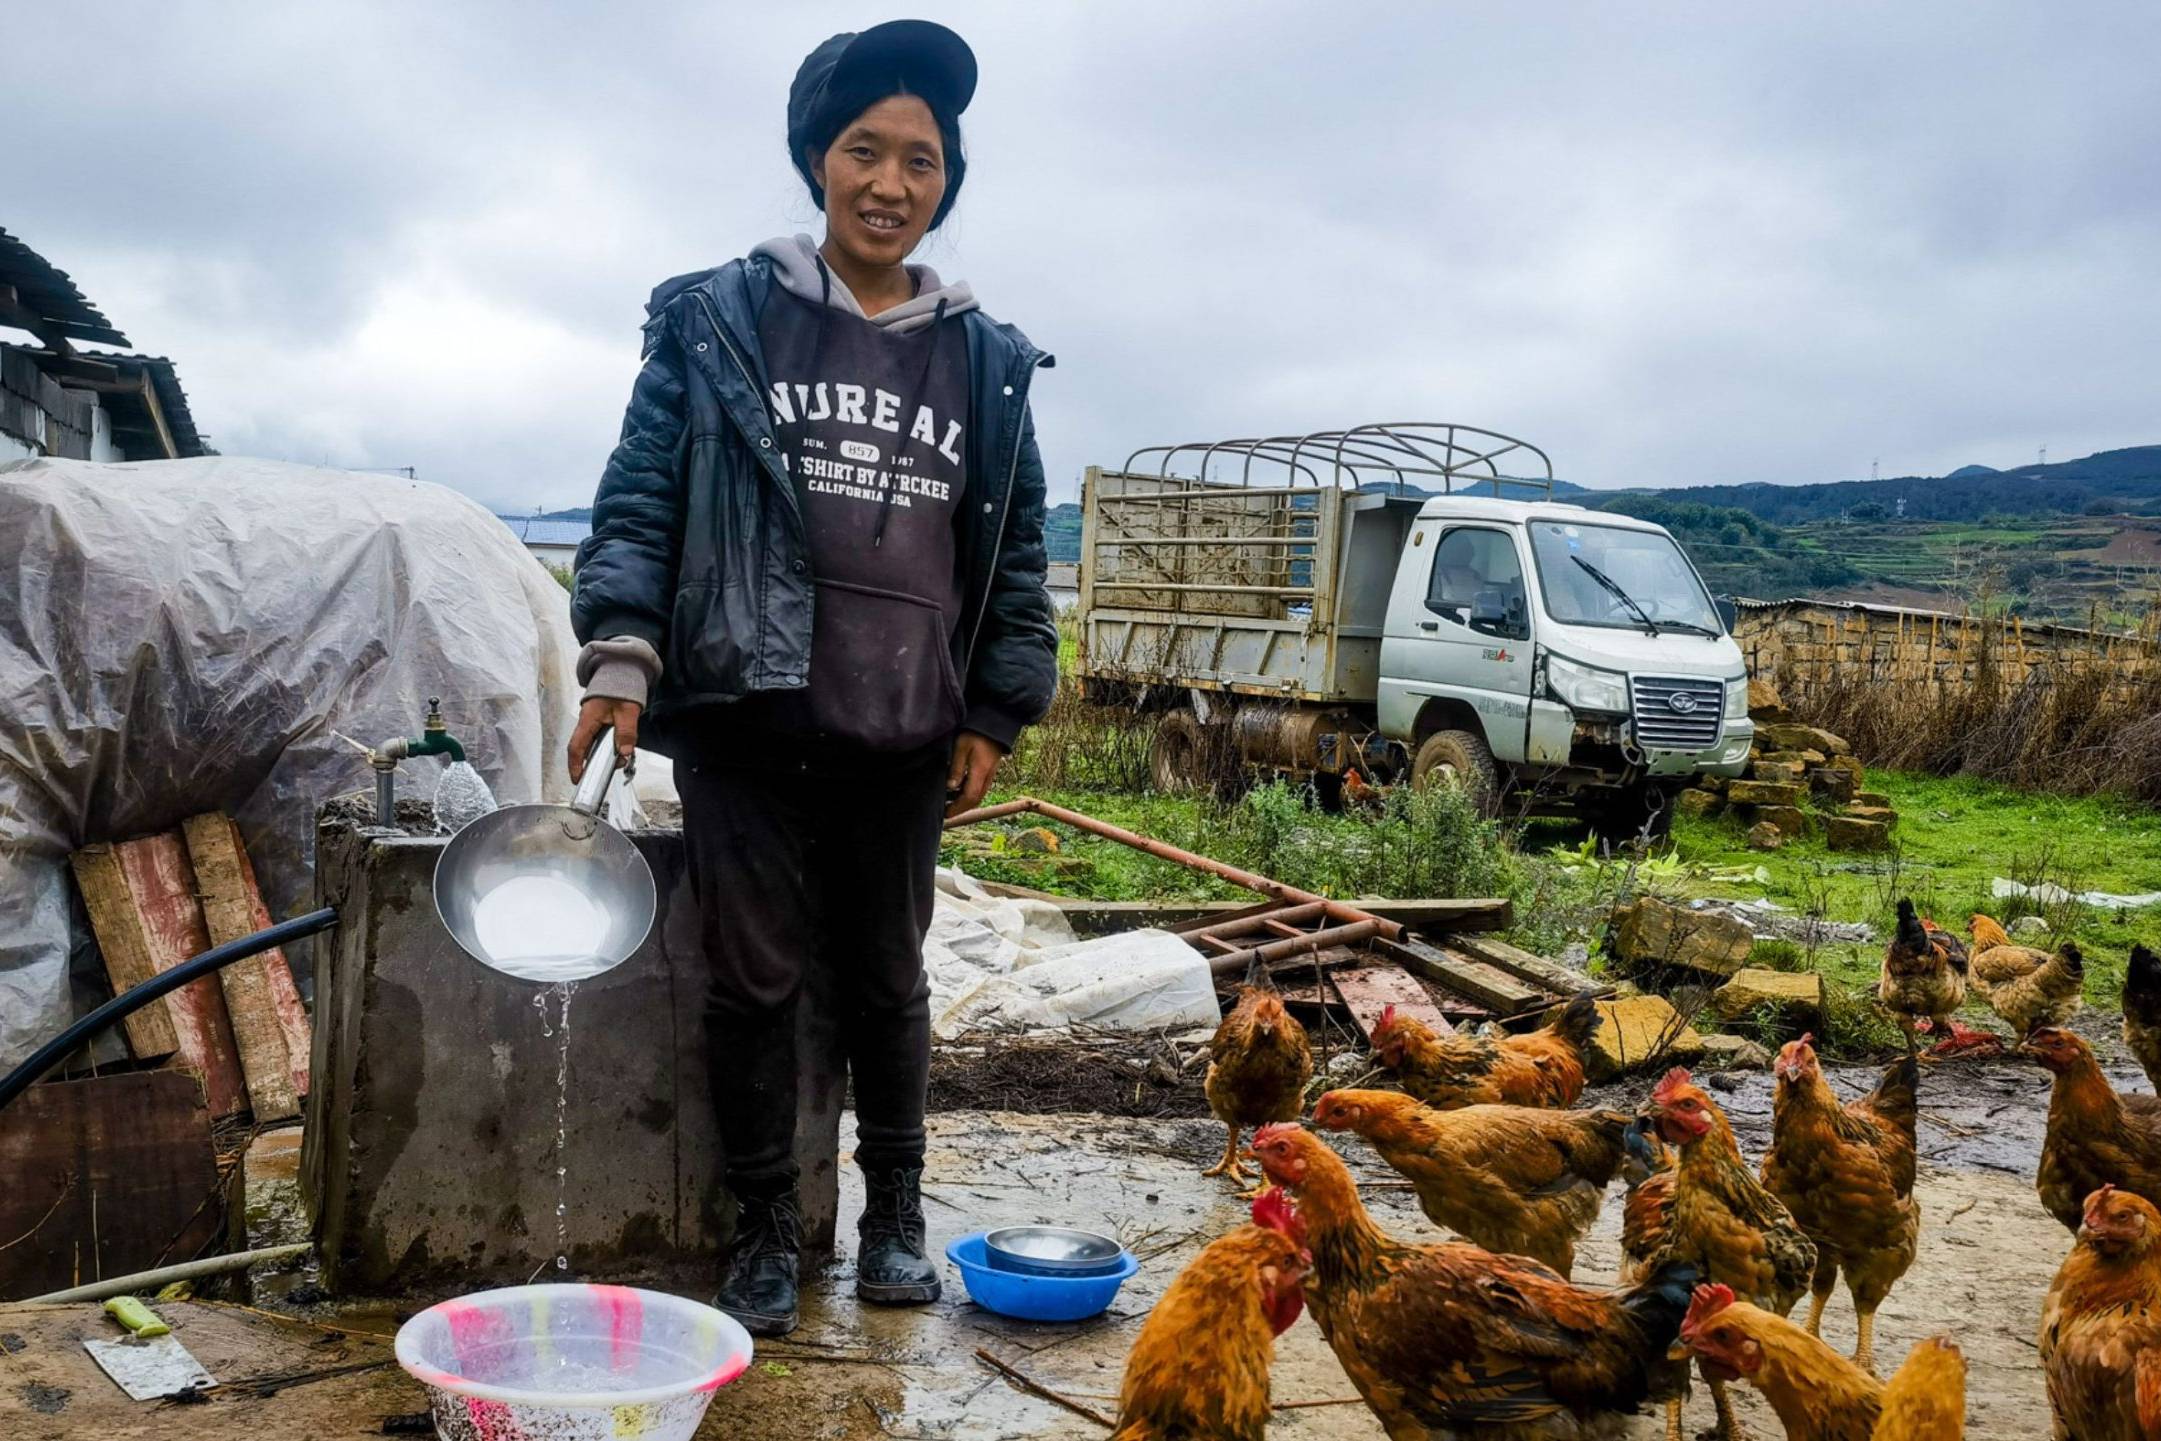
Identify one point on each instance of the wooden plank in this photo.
(1100, 918)
(104, 1176)
(126, 948)
(1496, 990)
(163, 886)
(1367, 990)
(1550, 975)
(270, 1025)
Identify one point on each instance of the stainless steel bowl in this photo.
(1051, 1251)
(548, 893)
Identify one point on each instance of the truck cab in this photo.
(1572, 652)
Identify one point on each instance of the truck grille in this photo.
(1691, 725)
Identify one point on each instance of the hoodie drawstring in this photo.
(915, 401)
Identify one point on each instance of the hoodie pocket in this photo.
(881, 668)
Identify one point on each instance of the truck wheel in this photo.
(1178, 759)
(1465, 759)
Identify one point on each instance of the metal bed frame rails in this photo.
(1400, 450)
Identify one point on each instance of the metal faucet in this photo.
(434, 740)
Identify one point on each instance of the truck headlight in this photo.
(1586, 688)
(1737, 695)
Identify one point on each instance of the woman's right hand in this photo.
(596, 715)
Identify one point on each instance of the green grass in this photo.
(1953, 838)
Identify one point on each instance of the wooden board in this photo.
(162, 884)
(1367, 990)
(1496, 990)
(121, 939)
(270, 1026)
(1549, 975)
(103, 1177)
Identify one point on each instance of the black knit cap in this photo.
(852, 72)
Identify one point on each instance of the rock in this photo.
(1796, 997)
(1850, 763)
(1792, 758)
(1802, 738)
(1812, 759)
(1791, 820)
(1722, 1052)
(1851, 833)
(1715, 784)
(1650, 936)
(1833, 783)
(1872, 798)
(1781, 773)
(1695, 802)
(1882, 815)
(1765, 704)
(1629, 1035)
(1035, 841)
(2029, 926)
(1764, 836)
(1765, 793)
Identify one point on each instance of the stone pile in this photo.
(1801, 780)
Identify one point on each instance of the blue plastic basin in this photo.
(1035, 1298)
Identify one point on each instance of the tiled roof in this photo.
(46, 293)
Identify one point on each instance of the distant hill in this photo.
(2127, 479)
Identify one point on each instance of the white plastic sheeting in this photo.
(996, 963)
(2048, 893)
(192, 635)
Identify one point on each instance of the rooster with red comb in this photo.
(1846, 1173)
(1198, 1371)
(1722, 1219)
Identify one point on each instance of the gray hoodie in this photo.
(625, 668)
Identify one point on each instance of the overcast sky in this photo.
(1673, 244)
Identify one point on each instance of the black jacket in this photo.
(698, 545)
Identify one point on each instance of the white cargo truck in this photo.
(1405, 602)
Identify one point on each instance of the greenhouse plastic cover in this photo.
(193, 635)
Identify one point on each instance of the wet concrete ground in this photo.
(1987, 1255)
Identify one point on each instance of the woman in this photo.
(818, 552)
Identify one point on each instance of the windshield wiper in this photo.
(1618, 594)
(1692, 628)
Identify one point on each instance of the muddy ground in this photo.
(1987, 1255)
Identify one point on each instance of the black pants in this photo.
(796, 865)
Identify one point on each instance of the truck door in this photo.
(1461, 626)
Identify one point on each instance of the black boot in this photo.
(758, 1279)
(891, 1268)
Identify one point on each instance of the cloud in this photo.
(1672, 245)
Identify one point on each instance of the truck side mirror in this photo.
(1489, 612)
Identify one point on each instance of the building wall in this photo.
(1805, 645)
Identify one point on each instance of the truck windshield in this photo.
(1644, 564)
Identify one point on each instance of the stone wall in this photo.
(1805, 645)
(431, 1127)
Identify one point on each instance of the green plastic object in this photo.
(435, 739)
(140, 1320)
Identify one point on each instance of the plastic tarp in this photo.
(2048, 893)
(998, 964)
(195, 635)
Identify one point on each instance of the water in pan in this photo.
(541, 928)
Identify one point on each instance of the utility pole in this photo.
(1875, 470)
(2044, 455)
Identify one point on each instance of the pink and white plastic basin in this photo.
(571, 1363)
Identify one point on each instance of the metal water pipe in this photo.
(434, 739)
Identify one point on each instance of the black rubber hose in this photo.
(128, 1002)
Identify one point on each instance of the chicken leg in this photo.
(1865, 1349)
(1230, 1165)
(1729, 1425)
(1819, 1296)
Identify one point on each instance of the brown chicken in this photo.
(1846, 1174)
(1514, 1179)
(1722, 1219)
(2142, 1011)
(2101, 1324)
(1259, 1064)
(1924, 979)
(2026, 986)
(1198, 1371)
(1818, 1394)
(1926, 1399)
(1451, 1339)
(1648, 1172)
(2096, 1135)
(1541, 1068)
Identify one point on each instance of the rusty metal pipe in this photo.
(1290, 895)
(1238, 961)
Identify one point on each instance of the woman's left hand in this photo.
(975, 761)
